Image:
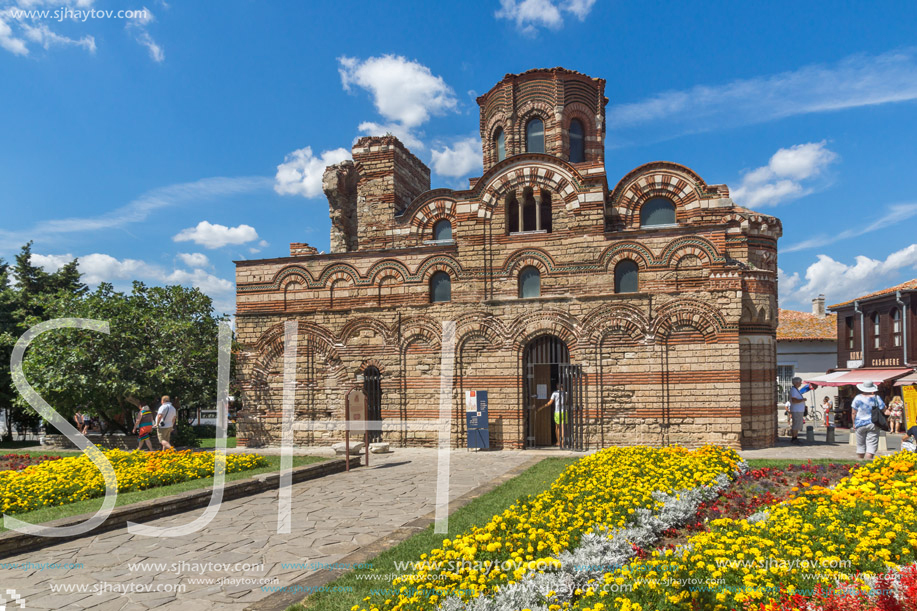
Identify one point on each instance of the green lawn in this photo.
(125, 498)
(479, 511)
(210, 442)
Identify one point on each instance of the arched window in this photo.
(577, 142)
(440, 287)
(442, 230)
(529, 282)
(896, 327)
(500, 144)
(657, 211)
(626, 277)
(534, 136)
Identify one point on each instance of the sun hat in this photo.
(868, 386)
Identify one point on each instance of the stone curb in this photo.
(12, 542)
(280, 601)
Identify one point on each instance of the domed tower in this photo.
(548, 110)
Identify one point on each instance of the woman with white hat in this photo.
(867, 433)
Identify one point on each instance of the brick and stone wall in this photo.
(688, 359)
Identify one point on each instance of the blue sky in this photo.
(169, 142)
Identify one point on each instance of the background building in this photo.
(806, 347)
(655, 300)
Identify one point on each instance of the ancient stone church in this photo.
(652, 300)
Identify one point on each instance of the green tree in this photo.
(162, 340)
(21, 301)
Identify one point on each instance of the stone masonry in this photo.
(689, 358)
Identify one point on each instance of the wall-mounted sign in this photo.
(476, 423)
(854, 364)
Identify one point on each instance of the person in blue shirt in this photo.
(798, 406)
(867, 433)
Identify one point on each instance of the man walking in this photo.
(165, 419)
(797, 407)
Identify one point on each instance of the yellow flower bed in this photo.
(866, 524)
(72, 479)
(603, 488)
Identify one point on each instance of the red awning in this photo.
(907, 380)
(858, 376)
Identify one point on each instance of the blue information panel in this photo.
(476, 423)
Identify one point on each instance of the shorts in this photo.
(560, 417)
(797, 421)
(867, 439)
(164, 433)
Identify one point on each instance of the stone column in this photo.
(536, 196)
(520, 199)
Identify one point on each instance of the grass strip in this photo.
(47, 514)
(532, 481)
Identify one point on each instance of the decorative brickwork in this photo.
(688, 358)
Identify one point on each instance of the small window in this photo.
(876, 337)
(442, 230)
(848, 322)
(626, 277)
(577, 142)
(534, 136)
(785, 375)
(657, 211)
(440, 287)
(529, 282)
(896, 328)
(500, 144)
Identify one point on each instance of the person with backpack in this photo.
(866, 429)
(165, 420)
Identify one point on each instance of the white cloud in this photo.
(216, 236)
(405, 92)
(194, 259)
(139, 209)
(9, 41)
(210, 284)
(780, 180)
(897, 213)
(839, 281)
(459, 160)
(301, 172)
(43, 36)
(529, 15)
(156, 52)
(98, 267)
(859, 80)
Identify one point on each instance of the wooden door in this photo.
(544, 417)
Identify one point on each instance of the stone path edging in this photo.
(12, 542)
(281, 600)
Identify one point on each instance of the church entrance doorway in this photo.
(546, 367)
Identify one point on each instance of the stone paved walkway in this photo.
(332, 517)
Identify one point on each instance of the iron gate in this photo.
(372, 388)
(571, 376)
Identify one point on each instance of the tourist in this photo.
(165, 418)
(82, 422)
(798, 407)
(895, 414)
(827, 406)
(909, 440)
(867, 433)
(558, 400)
(789, 419)
(143, 426)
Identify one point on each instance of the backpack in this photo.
(878, 416)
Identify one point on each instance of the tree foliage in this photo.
(162, 340)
